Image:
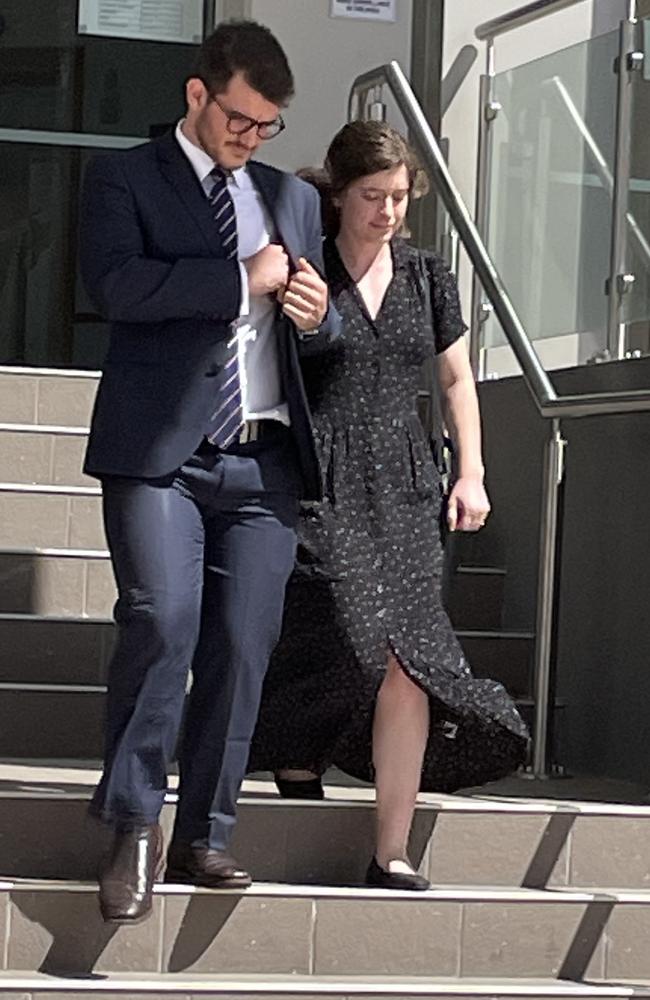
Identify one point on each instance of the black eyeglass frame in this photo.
(278, 124)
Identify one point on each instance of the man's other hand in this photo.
(268, 270)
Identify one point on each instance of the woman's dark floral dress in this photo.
(368, 576)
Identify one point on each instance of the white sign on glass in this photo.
(147, 20)
(370, 10)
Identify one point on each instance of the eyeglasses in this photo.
(238, 124)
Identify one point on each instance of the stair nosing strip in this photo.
(50, 488)
(55, 553)
(494, 633)
(36, 687)
(91, 373)
(53, 619)
(105, 554)
(325, 985)
(480, 570)
(455, 806)
(566, 895)
(69, 430)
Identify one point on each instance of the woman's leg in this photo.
(400, 732)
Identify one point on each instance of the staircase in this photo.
(534, 898)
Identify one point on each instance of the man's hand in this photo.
(268, 270)
(305, 298)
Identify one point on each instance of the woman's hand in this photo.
(305, 298)
(468, 505)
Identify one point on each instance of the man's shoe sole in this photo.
(186, 878)
(125, 921)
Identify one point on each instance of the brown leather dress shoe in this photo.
(204, 866)
(127, 876)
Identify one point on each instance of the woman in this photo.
(368, 674)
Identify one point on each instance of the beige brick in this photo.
(67, 463)
(65, 402)
(25, 457)
(101, 591)
(59, 586)
(213, 933)
(33, 519)
(4, 911)
(628, 933)
(62, 932)
(529, 940)
(86, 530)
(129, 996)
(493, 849)
(610, 851)
(17, 399)
(43, 585)
(386, 938)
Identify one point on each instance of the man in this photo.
(202, 440)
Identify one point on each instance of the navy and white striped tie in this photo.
(227, 420)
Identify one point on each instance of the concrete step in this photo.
(46, 454)
(55, 624)
(505, 656)
(23, 704)
(280, 929)
(46, 395)
(50, 721)
(40, 986)
(475, 598)
(51, 517)
(69, 583)
(54, 650)
(480, 839)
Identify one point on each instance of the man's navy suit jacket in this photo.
(153, 264)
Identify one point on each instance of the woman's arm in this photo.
(468, 505)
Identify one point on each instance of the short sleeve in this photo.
(448, 323)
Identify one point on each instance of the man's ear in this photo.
(195, 93)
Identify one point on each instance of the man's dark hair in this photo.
(249, 48)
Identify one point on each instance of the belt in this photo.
(256, 430)
(252, 430)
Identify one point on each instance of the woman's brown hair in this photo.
(361, 148)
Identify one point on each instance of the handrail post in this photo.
(619, 282)
(487, 112)
(546, 599)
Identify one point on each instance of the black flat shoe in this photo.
(310, 789)
(378, 878)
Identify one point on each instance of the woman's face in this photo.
(373, 207)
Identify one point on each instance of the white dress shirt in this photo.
(259, 369)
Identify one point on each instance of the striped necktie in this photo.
(227, 420)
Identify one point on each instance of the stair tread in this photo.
(448, 893)
(463, 569)
(64, 779)
(306, 984)
(104, 554)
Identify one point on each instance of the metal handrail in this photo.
(522, 15)
(541, 388)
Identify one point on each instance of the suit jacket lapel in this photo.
(177, 169)
(273, 188)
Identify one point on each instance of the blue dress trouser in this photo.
(201, 559)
